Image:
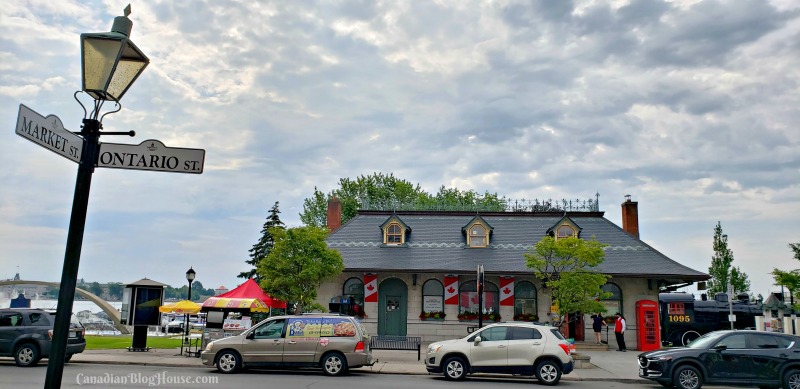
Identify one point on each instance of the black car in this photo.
(27, 334)
(741, 358)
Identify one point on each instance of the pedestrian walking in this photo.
(619, 332)
(597, 325)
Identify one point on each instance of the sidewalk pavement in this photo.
(605, 365)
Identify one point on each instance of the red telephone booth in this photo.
(647, 336)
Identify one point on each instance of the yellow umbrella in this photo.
(182, 307)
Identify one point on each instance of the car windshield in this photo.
(706, 340)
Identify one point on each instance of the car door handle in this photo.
(501, 346)
(292, 342)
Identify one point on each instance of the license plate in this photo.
(72, 334)
(642, 372)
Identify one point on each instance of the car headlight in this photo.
(434, 348)
(666, 358)
(209, 346)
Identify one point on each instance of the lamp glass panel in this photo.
(123, 77)
(99, 56)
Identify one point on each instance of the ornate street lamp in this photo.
(111, 63)
(189, 277)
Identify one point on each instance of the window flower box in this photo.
(435, 315)
(526, 317)
(473, 316)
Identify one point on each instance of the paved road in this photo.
(129, 376)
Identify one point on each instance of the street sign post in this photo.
(151, 155)
(49, 133)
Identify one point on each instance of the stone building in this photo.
(402, 267)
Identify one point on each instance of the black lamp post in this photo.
(111, 63)
(189, 277)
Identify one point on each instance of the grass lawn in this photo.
(95, 342)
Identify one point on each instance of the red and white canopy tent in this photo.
(248, 295)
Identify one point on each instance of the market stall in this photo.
(233, 312)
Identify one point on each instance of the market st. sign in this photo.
(49, 133)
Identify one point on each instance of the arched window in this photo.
(353, 290)
(394, 234)
(468, 297)
(613, 303)
(432, 296)
(525, 305)
(478, 236)
(565, 231)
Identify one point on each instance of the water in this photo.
(77, 305)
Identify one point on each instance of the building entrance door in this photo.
(392, 307)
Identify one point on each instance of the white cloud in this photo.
(675, 103)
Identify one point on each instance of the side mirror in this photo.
(720, 347)
(251, 335)
(477, 339)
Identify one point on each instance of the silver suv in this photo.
(510, 348)
(333, 343)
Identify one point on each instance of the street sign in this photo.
(151, 155)
(49, 133)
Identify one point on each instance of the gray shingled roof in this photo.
(437, 244)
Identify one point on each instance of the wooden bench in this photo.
(390, 342)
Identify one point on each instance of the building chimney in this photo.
(630, 217)
(334, 214)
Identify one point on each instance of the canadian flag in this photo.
(370, 288)
(451, 290)
(507, 291)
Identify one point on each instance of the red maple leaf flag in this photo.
(507, 291)
(370, 288)
(451, 290)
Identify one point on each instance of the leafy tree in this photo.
(96, 288)
(297, 265)
(566, 267)
(115, 290)
(385, 191)
(262, 248)
(721, 270)
(790, 279)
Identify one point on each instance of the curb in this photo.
(378, 371)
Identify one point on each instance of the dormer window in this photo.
(478, 233)
(565, 228)
(477, 236)
(394, 234)
(565, 231)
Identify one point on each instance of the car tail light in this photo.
(564, 347)
(50, 334)
(359, 347)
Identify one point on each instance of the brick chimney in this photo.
(630, 217)
(334, 214)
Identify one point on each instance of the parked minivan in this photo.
(332, 343)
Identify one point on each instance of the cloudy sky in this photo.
(691, 107)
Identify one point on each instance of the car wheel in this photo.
(26, 355)
(67, 358)
(548, 372)
(334, 364)
(454, 369)
(791, 380)
(687, 377)
(229, 361)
